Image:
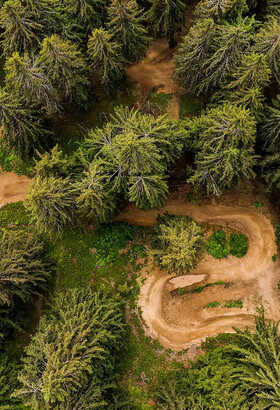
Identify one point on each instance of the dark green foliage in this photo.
(8, 382)
(273, 9)
(220, 9)
(24, 268)
(212, 305)
(270, 171)
(66, 68)
(105, 55)
(13, 214)
(234, 304)
(126, 25)
(271, 126)
(178, 243)
(69, 362)
(51, 203)
(217, 245)
(238, 244)
(88, 13)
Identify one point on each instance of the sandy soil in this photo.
(12, 187)
(178, 321)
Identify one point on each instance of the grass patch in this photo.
(234, 304)
(10, 161)
(212, 304)
(258, 205)
(217, 245)
(159, 101)
(238, 244)
(13, 214)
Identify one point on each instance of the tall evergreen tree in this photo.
(23, 266)
(273, 8)
(105, 55)
(267, 43)
(69, 363)
(147, 191)
(193, 54)
(26, 80)
(270, 171)
(271, 126)
(125, 23)
(51, 203)
(89, 13)
(22, 130)
(66, 68)
(220, 8)
(21, 30)
(165, 16)
(48, 13)
(8, 382)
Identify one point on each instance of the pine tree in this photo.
(52, 163)
(220, 8)
(22, 129)
(270, 171)
(273, 9)
(249, 98)
(51, 203)
(125, 23)
(23, 266)
(69, 363)
(95, 200)
(193, 54)
(252, 72)
(231, 41)
(147, 191)
(179, 243)
(259, 355)
(26, 80)
(89, 13)
(21, 31)
(267, 43)
(48, 13)
(8, 382)
(105, 55)
(271, 126)
(65, 67)
(165, 16)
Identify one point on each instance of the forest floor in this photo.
(180, 321)
(12, 187)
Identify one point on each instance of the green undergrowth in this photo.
(212, 304)
(13, 214)
(189, 105)
(199, 289)
(220, 246)
(230, 304)
(10, 161)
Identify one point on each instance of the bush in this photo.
(212, 304)
(217, 245)
(234, 304)
(238, 244)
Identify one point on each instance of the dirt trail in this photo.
(12, 187)
(180, 321)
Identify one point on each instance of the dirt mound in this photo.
(181, 320)
(12, 187)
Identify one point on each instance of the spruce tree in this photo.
(21, 30)
(147, 191)
(220, 9)
(22, 129)
(89, 13)
(267, 43)
(165, 16)
(270, 128)
(69, 362)
(270, 171)
(48, 13)
(273, 9)
(51, 203)
(193, 54)
(178, 244)
(105, 56)
(8, 382)
(26, 80)
(66, 68)
(23, 266)
(126, 25)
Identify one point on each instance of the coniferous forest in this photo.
(139, 204)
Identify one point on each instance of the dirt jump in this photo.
(12, 187)
(179, 321)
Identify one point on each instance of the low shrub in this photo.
(212, 304)
(217, 245)
(234, 304)
(238, 244)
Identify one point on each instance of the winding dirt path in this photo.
(181, 321)
(12, 187)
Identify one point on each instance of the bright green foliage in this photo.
(193, 54)
(251, 73)
(212, 305)
(105, 55)
(95, 200)
(136, 149)
(231, 41)
(226, 153)
(271, 126)
(178, 244)
(51, 203)
(65, 67)
(168, 397)
(267, 43)
(88, 13)
(125, 23)
(217, 245)
(249, 98)
(259, 354)
(13, 213)
(21, 30)
(8, 382)
(271, 171)
(26, 80)
(22, 130)
(238, 244)
(273, 8)
(220, 8)
(234, 304)
(69, 361)
(23, 266)
(52, 163)
(165, 15)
